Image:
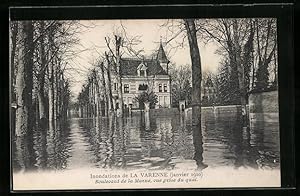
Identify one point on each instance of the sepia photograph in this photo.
(144, 104)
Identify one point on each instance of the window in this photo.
(165, 101)
(142, 72)
(159, 88)
(115, 86)
(126, 88)
(165, 88)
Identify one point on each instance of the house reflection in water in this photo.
(169, 143)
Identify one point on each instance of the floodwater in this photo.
(155, 143)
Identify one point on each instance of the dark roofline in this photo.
(129, 66)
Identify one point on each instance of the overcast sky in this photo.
(150, 32)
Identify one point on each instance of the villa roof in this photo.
(129, 66)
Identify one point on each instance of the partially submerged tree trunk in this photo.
(41, 74)
(275, 69)
(241, 72)
(51, 98)
(104, 89)
(55, 103)
(119, 77)
(14, 39)
(196, 71)
(51, 87)
(97, 99)
(111, 105)
(24, 83)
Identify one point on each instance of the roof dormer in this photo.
(142, 70)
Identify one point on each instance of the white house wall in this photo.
(153, 82)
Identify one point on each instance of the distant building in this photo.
(144, 75)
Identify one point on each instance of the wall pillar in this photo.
(147, 106)
(147, 115)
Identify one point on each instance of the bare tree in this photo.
(240, 67)
(51, 83)
(108, 69)
(265, 50)
(181, 84)
(24, 81)
(14, 39)
(235, 38)
(102, 73)
(114, 62)
(121, 44)
(196, 70)
(42, 72)
(118, 41)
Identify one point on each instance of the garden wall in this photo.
(263, 106)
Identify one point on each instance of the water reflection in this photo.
(160, 143)
(42, 150)
(198, 142)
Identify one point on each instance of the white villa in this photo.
(145, 75)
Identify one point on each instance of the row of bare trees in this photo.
(40, 92)
(96, 97)
(248, 47)
(248, 50)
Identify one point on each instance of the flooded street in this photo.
(130, 143)
(136, 104)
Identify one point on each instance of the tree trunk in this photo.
(97, 100)
(51, 87)
(104, 89)
(41, 99)
(275, 69)
(241, 73)
(55, 105)
(119, 77)
(196, 71)
(51, 98)
(24, 81)
(14, 36)
(41, 75)
(253, 72)
(111, 105)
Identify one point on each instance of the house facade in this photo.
(144, 75)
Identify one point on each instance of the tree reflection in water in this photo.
(198, 142)
(166, 143)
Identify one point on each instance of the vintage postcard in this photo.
(144, 104)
